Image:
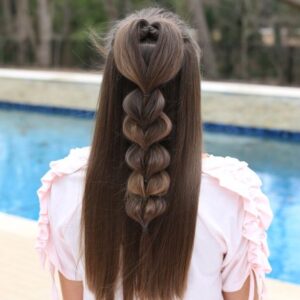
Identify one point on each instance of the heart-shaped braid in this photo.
(145, 123)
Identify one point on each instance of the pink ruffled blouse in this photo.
(230, 240)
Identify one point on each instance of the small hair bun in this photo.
(149, 32)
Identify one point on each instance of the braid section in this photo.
(145, 124)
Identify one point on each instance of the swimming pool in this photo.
(28, 141)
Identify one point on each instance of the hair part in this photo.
(142, 187)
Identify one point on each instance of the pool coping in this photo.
(17, 225)
(227, 107)
(206, 86)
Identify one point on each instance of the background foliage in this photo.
(249, 40)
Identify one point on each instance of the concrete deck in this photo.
(22, 277)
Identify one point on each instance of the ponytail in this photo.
(142, 185)
(145, 123)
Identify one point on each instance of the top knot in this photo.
(135, 57)
(148, 31)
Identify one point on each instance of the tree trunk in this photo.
(295, 3)
(61, 38)
(243, 67)
(110, 9)
(7, 18)
(195, 8)
(44, 32)
(21, 30)
(126, 6)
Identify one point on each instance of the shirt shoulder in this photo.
(229, 175)
(230, 187)
(63, 182)
(60, 198)
(237, 213)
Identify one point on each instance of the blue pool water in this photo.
(29, 141)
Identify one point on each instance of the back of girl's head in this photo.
(143, 178)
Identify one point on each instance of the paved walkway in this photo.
(22, 278)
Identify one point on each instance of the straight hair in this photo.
(142, 184)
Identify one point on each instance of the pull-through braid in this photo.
(146, 124)
(148, 63)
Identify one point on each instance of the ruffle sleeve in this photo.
(46, 246)
(256, 216)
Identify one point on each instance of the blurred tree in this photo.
(255, 40)
(23, 30)
(196, 10)
(111, 9)
(44, 32)
(61, 29)
(7, 17)
(295, 3)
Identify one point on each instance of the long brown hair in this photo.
(143, 178)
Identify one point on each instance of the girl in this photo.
(143, 213)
